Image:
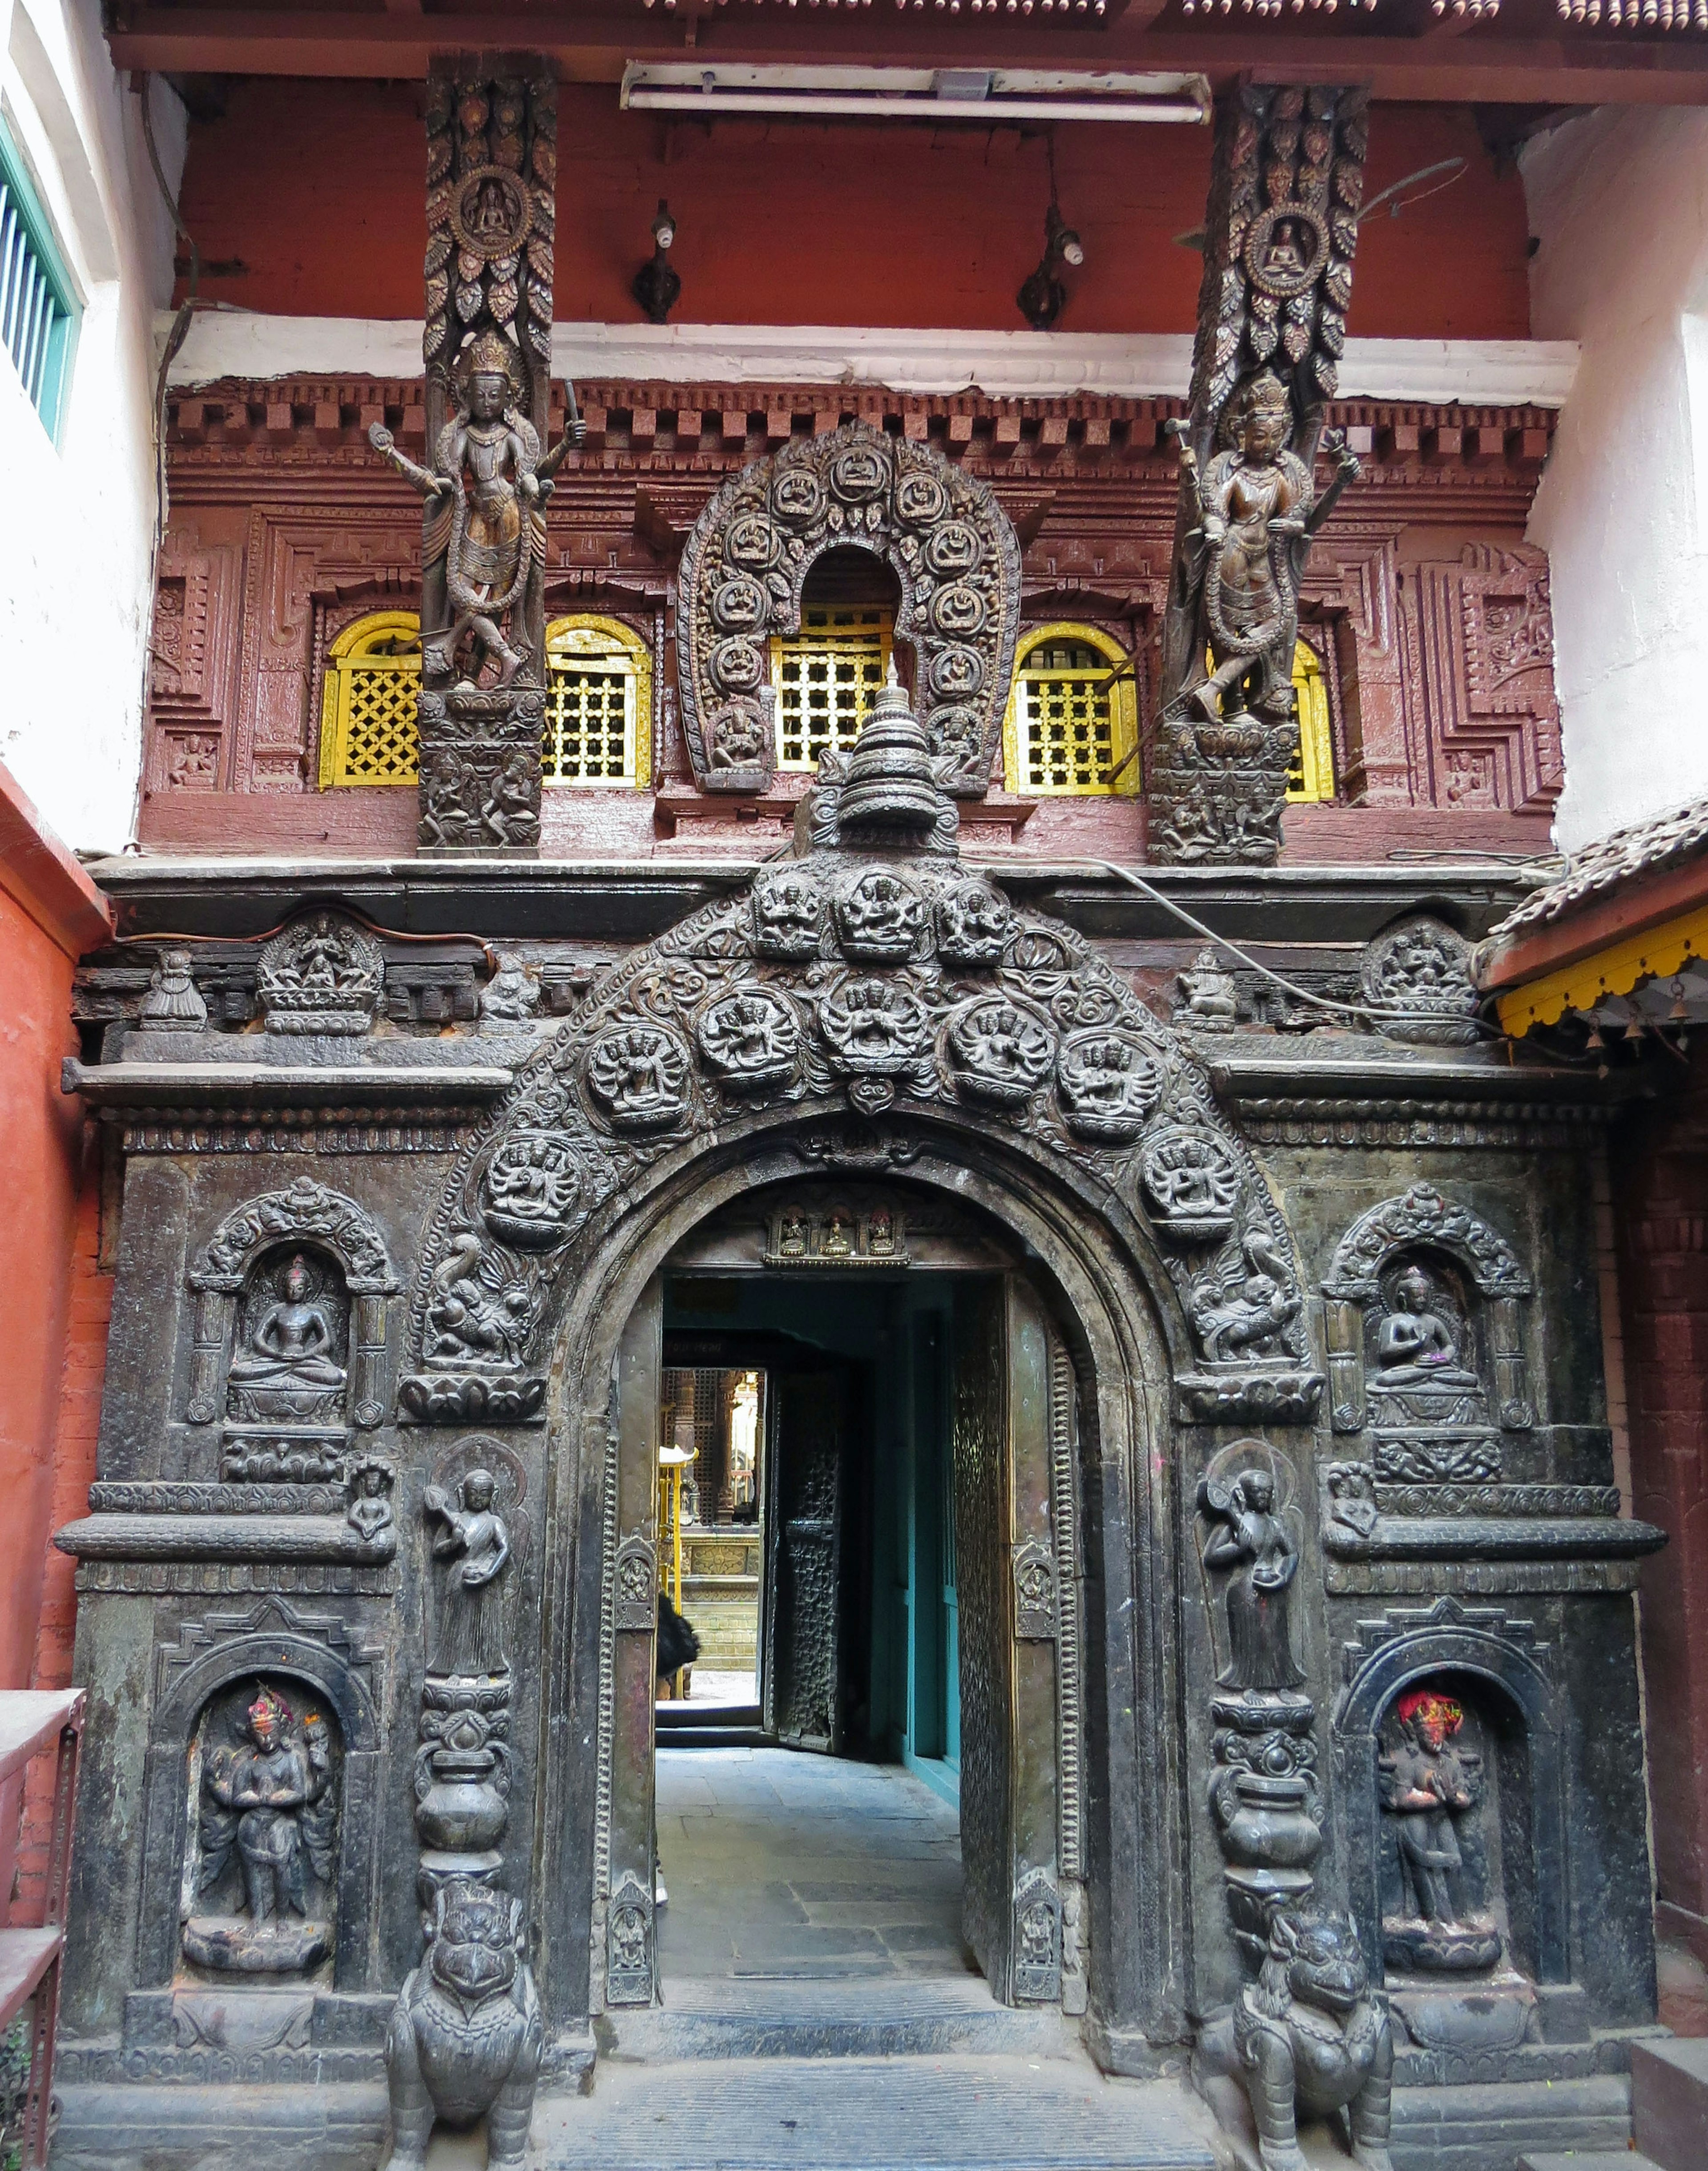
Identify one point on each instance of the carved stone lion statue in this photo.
(1309, 2038)
(464, 2038)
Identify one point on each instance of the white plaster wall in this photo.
(77, 537)
(1618, 202)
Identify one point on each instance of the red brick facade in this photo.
(1661, 1195)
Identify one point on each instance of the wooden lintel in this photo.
(592, 44)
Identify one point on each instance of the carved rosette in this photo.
(1281, 232)
(747, 559)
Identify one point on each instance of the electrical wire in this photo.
(1368, 1010)
(180, 322)
(160, 935)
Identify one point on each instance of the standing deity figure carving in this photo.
(488, 483)
(290, 1343)
(476, 1542)
(1414, 1345)
(1248, 1535)
(1429, 1789)
(267, 1795)
(1258, 509)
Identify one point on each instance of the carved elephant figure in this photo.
(463, 2043)
(1310, 2035)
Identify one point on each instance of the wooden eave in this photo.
(1440, 63)
(1650, 926)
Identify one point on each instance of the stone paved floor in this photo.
(779, 1864)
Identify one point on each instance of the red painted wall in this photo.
(1660, 1183)
(316, 189)
(48, 912)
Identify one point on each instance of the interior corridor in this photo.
(782, 1866)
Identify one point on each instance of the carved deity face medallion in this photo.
(787, 910)
(874, 1025)
(638, 1073)
(1107, 1084)
(1001, 1052)
(881, 916)
(1193, 1185)
(751, 1039)
(490, 213)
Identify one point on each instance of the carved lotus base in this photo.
(284, 1405)
(1441, 1947)
(234, 1945)
(465, 1397)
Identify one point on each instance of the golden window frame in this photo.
(1314, 767)
(861, 634)
(601, 647)
(367, 692)
(1120, 697)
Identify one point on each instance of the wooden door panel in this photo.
(806, 1451)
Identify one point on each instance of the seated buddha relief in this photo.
(289, 1362)
(1425, 1366)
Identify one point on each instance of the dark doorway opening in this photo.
(849, 1563)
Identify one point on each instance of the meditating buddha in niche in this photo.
(1416, 1347)
(290, 1342)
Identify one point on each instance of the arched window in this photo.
(599, 713)
(827, 676)
(1072, 725)
(1312, 776)
(368, 702)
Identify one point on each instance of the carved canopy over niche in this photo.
(746, 561)
(853, 987)
(1419, 1222)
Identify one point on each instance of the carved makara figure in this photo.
(1430, 1788)
(1246, 1312)
(1414, 1345)
(1310, 2035)
(1258, 508)
(1248, 1535)
(465, 2038)
(487, 526)
(475, 1542)
(477, 1313)
(268, 1796)
(289, 1344)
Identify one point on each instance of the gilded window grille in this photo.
(827, 677)
(598, 705)
(1311, 778)
(1072, 725)
(368, 729)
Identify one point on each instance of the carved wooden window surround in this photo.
(368, 702)
(1071, 728)
(827, 676)
(598, 708)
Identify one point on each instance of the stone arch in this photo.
(746, 561)
(1118, 1331)
(211, 1654)
(862, 1005)
(321, 1219)
(1500, 1653)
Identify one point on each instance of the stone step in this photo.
(796, 2016)
(950, 2113)
(1606, 2158)
(1669, 2102)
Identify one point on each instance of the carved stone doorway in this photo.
(909, 1364)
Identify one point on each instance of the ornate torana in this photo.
(746, 561)
(1279, 241)
(872, 974)
(491, 217)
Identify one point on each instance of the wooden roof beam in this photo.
(585, 46)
